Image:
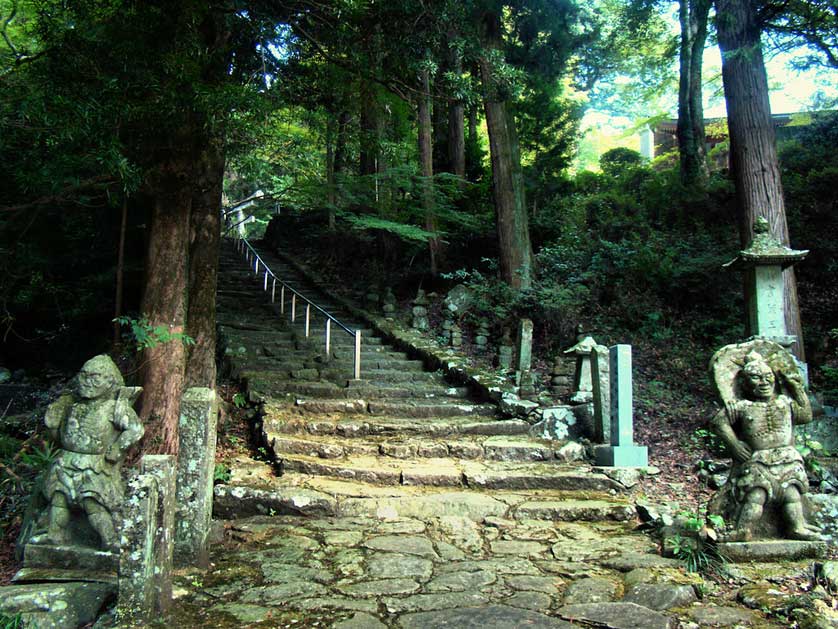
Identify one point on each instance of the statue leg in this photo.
(749, 515)
(796, 524)
(102, 522)
(59, 518)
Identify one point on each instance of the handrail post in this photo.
(282, 299)
(265, 284)
(256, 267)
(328, 337)
(273, 291)
(293, 307)
(357, 354)
(308, 317)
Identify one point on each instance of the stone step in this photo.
(277, 421)
(369, 391)
(499, 448)
(447, 472)
(286, 362)
(384, 408)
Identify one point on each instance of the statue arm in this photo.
(132, 430)
(722, 424)
(56, 412)
(801, 408)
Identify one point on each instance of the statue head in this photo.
(758, 377)
(98, 377)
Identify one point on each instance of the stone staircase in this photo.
(399, 426)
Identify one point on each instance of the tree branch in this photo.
(94, 184)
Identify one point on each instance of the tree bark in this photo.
(693, 15)
(120, 272)
(368, 153)
(164, 302)
(456, 119)
(753, 150)
(426, 164)
(516, 259)
(331, 197)
(205, 226)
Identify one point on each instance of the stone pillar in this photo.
(622, 452)
(602, 394)
(481, 339)
(523, 375)
(505, 351)
(420, 312)
(146, 542)
(196, 466)
(388, 304)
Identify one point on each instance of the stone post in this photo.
(196, 466)
(146, 543)
(622, 452)
(602, 394)
(523, 374)
(582, 379)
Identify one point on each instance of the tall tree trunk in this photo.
(456, 118)
(516, 259)
(120, 271)
(693, 15)
(205, 223)
(331, 124)
(753, 150)
(427, 167)
(369, 130)
(164, 302)
(472, 156)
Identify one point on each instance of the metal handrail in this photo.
(249, 253)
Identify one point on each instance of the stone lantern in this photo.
(583, 388)
(763, 262)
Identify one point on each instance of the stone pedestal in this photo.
(196, 466)
(146, 542)
(772, 550)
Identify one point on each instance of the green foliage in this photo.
(11, 622)
(698, 548)
(145, 335)
(221, 474)
(239, 400)
(40, 457)
(617, 160)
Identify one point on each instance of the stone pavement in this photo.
(399, 501)
(449, 571)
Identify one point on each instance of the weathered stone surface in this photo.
(513, 406)
(196, 466)
(360, 621)
(233, 501)
(55, 605)
(591, 590)
(486, 617)
(764, 596)
(529, 600)
(660, 596)
(282, 592)
(335, 602)
(467, 504)
(342, 538)
(547, 585)
(616, 615)
(399, 566)
(273, 572)
(380, 587)
(630, 561)
(428, 602)
(147, 541)
(243, 612)
(521, 549)
(407, 544)
(461, 581)
(69, 558)
(499, 565)
(713, 616)
(768, 550)
(571, 452)
(463, 532)
(572, 510)
(556, 424)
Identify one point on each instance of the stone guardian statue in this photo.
(764, 398)
(94, 429)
